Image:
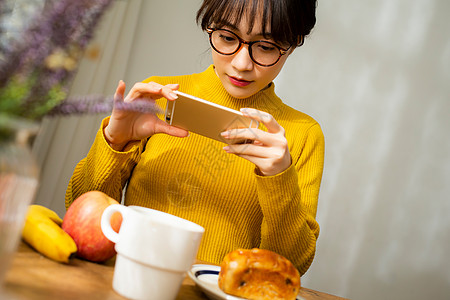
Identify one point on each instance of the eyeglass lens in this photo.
(227, 43)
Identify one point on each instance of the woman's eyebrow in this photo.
(228, 24)
(267, 35)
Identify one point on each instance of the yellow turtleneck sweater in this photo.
(195, 179)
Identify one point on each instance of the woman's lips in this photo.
(239, 82)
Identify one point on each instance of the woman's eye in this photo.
(227, 38)
(266, 47)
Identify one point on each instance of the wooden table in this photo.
(34, 277)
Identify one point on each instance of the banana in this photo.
(42, 230)
(44, 211)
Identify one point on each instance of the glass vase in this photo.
(19, 178)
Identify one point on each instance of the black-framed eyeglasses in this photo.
(263, 53)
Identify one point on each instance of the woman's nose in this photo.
(242, 60)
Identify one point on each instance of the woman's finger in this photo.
(163, 127)
(257, 136)
(248, 150)
(173, 86)
(141, 90)
(119, 94)
(120, 91)
(261, 116)
(167, 92)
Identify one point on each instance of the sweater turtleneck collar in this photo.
(211, 89)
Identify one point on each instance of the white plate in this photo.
(206, 278)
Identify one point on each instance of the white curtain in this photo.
(64, 141)
(375, 74)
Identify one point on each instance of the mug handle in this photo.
(106, 221)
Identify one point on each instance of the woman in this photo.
(262, 194)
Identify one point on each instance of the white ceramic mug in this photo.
(154, 251)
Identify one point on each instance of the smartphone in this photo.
(206, 118)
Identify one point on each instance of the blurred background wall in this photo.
(375, 74)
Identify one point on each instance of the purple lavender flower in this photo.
(64, 28)
(98, 104)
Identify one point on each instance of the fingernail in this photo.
(224, 134)
(173, 95)
(226, 148)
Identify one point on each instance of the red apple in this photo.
(82, 223)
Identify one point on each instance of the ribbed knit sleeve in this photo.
(289, 202)
(103, 169)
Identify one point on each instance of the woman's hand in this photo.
(269, 150)
(126, 126)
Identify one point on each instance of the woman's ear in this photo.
(300, 40)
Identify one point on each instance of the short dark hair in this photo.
(290, 20)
